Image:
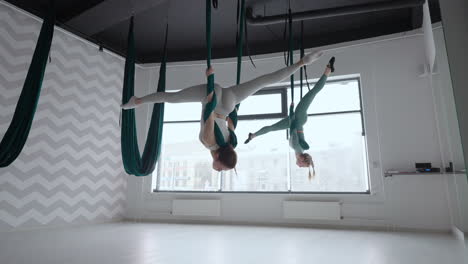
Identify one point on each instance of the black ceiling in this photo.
(186, 20)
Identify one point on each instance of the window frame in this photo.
(283, 91)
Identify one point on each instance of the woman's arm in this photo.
(230, 124)
(301, 139)
(208, 136)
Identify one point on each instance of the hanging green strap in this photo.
(210, 106)
(291, 52)
(303, 68)
(239, 44)
(18, 131)
(135, 164)
(301, 43)
(291, 61)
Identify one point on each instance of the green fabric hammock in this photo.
(290, 62)
(239, 39)
(209, 108)
(134, 163)
(18, 131)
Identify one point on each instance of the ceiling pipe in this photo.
(332, 12)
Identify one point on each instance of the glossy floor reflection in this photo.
(175, 244)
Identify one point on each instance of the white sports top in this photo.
(222, 123)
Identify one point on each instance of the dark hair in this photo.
(227, 156)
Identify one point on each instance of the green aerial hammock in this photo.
(209, 108)
(134, 163)
(18, 131)
(292, 115)
(239, 38)
(303, 70)
(290, 62)
(143, 165)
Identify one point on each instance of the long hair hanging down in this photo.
(311, 174)
(227, 156)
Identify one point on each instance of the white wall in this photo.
(455, 20)
(70, 170)
(143, 80)
(401, 130)
(452, 150)
(457, 186)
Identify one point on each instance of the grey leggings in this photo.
(300, 113)
(227, 97)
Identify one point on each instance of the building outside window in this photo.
(334, 131)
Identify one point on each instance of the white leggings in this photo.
(227, 97)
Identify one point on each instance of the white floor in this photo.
(207, 244)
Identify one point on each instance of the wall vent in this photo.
(312, 210)
(196, 207)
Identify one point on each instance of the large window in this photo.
(334, 131)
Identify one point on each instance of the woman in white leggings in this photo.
(224, 158)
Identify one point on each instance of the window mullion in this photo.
(221, 181)
(289, 171)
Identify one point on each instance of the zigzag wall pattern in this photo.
(70, 170)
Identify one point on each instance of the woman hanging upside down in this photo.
(296, 123)
(224, 158)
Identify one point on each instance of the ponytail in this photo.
(311, 175)
(308, 159)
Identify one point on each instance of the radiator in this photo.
(312, 210)
(196, 207)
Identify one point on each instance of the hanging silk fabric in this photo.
(209, 107)
(303, 70)
(18, 131)
(301, 43)
(239, 43)
(134, 163)
(290, 61)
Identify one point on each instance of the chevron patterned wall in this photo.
(70, 171)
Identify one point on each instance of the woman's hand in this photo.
(230, 124)
(209, 71)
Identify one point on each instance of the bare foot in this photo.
(311, 57)
(209, 71)
(132, 103)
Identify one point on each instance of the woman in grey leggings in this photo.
(297, 121)
(224, 158)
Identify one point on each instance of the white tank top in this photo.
(222, 123)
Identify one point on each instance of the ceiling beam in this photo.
(416, 17)
(109, 13)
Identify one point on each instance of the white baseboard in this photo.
(63, 226)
